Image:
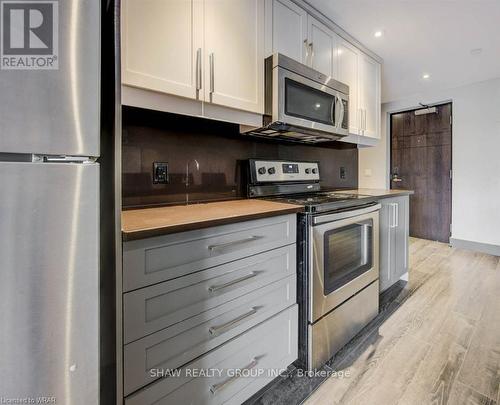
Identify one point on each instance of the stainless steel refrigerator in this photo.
(49, 216)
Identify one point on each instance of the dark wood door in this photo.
(421, 161)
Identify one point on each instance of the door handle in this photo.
(212, 74)
(311, 46)
(234, 243)
(332, 112)
(215, 288)
(394, 220)
(216, 329)
(217, 387)
(198, 69)
(342, 112)
(306, 46)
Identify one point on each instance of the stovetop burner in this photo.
(324, 201)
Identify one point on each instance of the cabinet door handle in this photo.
(212, 74)
(306, 46)
(217, 387)
(198, 69)
(396, 215)
(311, 46)
(215, 288)
(394, 221)
(217, 329)
(234, 243)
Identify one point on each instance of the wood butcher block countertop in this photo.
(149, 222)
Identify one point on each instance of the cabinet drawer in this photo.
(153, 308)
(265, 350)
(153, 260)
(187, 340)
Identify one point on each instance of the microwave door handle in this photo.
(332, 112)
(337, 122)
(342, 112)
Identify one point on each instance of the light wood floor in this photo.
(441, 343)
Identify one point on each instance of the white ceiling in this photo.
(423, 36)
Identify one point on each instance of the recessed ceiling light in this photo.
(426, 76)
(476, 51)
(378, 34)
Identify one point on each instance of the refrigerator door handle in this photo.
(62, 159)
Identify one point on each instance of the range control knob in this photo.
(271, 170)
(315, 171)
(262, 170)
(308, 171)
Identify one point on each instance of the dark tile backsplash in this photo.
(213, 153)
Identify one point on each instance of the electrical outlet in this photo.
(160, 173)
(343, 172)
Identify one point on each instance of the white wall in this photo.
(476, 158)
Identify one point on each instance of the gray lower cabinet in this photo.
(153, 260)
(186, 340)
(234, 371)
(148, 310)
(394, 239)
(220, 300)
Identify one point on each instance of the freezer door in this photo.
(49, 290)
(57, 111)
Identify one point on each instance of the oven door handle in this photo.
(346, 214)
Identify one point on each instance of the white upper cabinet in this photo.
(322, 47)
(234, 54)
(298, 35)
(362, 74)
(370, 99)
(161, 45)
(348, 74)
(286, 29)
(208, 50)
(211, 53)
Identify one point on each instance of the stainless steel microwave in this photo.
(302, 104)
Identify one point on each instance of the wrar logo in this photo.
(29, 34)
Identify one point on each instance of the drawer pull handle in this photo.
(217, 387)
(230, 283)
(234, 243)
(216, 329)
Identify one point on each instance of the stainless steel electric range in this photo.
(338, 255)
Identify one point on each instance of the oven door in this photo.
(345, 257)
(308, 104)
